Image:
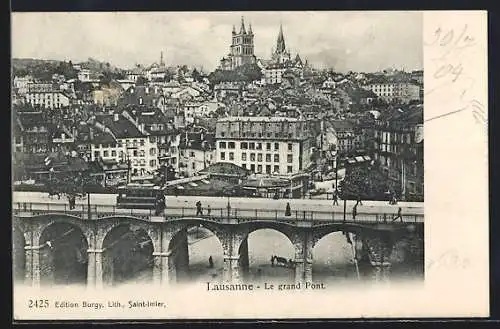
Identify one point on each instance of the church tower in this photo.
(241, 49)
(280, 54)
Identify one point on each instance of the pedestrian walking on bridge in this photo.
(209, 210)
(288, 211)
(354, 211)
(359, 201)
(198, 208)
(398, 216)
(210, 262)
(335, 198)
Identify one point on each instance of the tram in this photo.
(141, 196)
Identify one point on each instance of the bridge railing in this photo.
(228, 215)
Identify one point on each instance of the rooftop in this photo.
(257, 119)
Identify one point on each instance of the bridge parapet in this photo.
(302, 218)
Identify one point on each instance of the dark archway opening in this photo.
(197, 255)
(127, 256)
(263, 244)
(63, 255)
(18, 255)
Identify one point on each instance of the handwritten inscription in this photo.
(448, 260)
(452, 69)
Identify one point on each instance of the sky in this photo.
(344, 41)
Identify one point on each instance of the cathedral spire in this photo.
(161, 58)
(280, 44)
(242, 28)
(234, 29)
(250, 28)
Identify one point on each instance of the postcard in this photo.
(264, 165)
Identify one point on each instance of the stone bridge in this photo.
(372, 235)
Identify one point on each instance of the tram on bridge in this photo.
(141, 196)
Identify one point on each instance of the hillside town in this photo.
(260, 127)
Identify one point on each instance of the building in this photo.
(241, 50)
(52, 99)
(348, 137)
(21, 84)
(399, 143)
(403, 92)
(84, 75)
(273, 70)
(197, 150)
(271, 145)
(31, 133)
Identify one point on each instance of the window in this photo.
(97, 154)
(153, 139)
(191, 154)
(106, 153)
(268, 169)
(276, 158)
(289, 158)
(244, 145)
(251, 146)
(268, 157)
(222, 156)
(152, 151)
(244, 165)
(268, 146)
(252, 156)
(113, 153)
(141, 142)
(259, 157)
(152, 163)
(276, 169)
(231, 156)
(252, 167)
(193, 165)
(289, 169)
(258, 146)
(243, 157)
(290, 146)
(222, 145)
(142, 153)
(259, 169)
(276, 146)
(230, 145)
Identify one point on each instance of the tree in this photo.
(141, 81)
(367, 182)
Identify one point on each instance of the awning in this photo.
(193, 184)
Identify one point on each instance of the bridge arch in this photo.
(47, 220)
(18, 253)
(63, 246)
(261, 242)
(196, 250)
(127, 248)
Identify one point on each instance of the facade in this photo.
(48, 99)
(399, 143)
(270, 145)
(197, 152)
(348, 138)
(241, 50)
(403, 92)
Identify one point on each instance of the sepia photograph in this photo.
(220, 152)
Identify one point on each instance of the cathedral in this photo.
(241, 49)
(275, 70)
